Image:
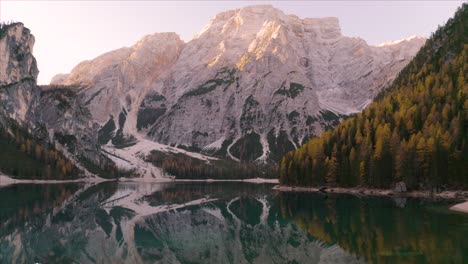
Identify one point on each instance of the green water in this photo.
(221, 223)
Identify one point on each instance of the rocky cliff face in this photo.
(254, 80)
(18, 73)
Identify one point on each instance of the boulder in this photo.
(400, 187)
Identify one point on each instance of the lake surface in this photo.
(221, 223)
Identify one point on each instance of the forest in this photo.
(185, 167)
(22, 156)
(415, 131)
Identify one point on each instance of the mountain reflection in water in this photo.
(221, 223)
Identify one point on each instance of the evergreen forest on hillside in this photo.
(24, 157)
(416, 131)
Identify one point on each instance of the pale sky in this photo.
(68, 32)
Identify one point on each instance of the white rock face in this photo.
(252, 84)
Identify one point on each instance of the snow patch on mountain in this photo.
(132, 158)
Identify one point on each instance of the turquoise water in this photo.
(221, 223)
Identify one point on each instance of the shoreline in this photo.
(165, 180)
(455, 194)
(7, 181)
(461, 195)
(449, 195)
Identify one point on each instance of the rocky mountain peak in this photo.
(156, 41)
(250, 19)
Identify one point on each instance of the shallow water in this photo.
(221, 223)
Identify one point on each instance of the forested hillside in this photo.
(416, 131)
(24, 157)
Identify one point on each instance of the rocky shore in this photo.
(397, 192)
(454, 194)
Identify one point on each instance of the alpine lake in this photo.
(222, 222)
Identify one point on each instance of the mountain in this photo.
(253, 84)
(415, 132)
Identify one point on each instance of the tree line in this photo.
(185, 167)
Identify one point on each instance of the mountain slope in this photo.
(415, 132)
(253, 84)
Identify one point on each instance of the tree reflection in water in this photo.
(382, 230)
